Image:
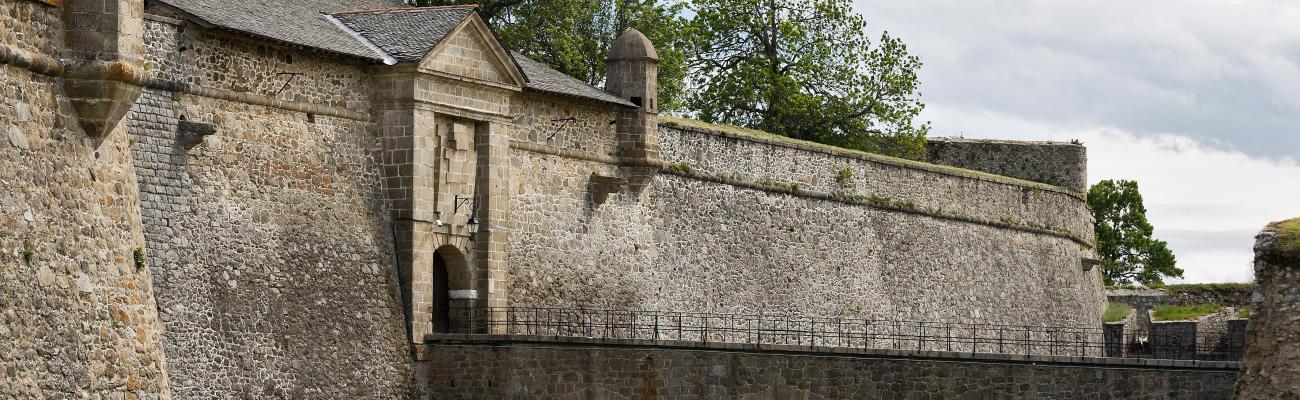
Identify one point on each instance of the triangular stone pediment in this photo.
(471, 51)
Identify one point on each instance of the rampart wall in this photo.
(274, 267)
(260, 259)
(735, 223)
(77, 315)
(537, 367)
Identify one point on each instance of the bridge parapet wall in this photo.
(483, 366)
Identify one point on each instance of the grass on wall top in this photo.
(1288, 233)
(1116, 312)
(1243, 312)
(884, 159)
(1209, 287)
(1182, 313)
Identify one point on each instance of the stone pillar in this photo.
(1271, 367)
(407, 167)
(493, 184)
(103, 53)
(632, 73)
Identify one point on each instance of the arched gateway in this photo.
(451, 283)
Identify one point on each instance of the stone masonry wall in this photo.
(555, 369)
(1272, 362)
(691, 244)
(1053, 163)
(77, 316)
(274, 267)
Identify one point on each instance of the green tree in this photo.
(1125, 244)
(805, 69)
(573, 36)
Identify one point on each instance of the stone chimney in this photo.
(103, 54)
(632, 73)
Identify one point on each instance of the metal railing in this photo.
(768, 329)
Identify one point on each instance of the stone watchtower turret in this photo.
(632, 73)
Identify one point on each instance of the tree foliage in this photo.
(573, 36)
(1125, 244)
(807, 70)
(803, 69)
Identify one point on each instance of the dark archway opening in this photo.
(441, 296)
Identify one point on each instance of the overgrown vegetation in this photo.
(771, 137)
(1243, 312)
(845, 177)
(1129, 253)
(1166, 312)
(878, 200)
(573, 36)
(1288, 233)
(807, 69)
(681, 168)
(29, 257)
(789, 186)
(139, 257)
(1116, 312)
(1212, 288)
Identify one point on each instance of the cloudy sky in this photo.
(1199, 101)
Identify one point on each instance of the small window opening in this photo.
(288, 58)
(311, 118)
(636, 100)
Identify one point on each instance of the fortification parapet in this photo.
(1054, 163)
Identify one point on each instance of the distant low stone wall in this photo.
(491, 367)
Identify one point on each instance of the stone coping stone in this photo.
(502, 340)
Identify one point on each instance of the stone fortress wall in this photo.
(724, 228)
(77, 312)
(267, 265)
(273, 259)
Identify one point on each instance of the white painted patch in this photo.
(462, 294)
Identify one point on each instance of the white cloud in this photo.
(1221, 72)
(1206, 202)
(1197, 100)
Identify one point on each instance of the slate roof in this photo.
(406, 34)
(544, 79)
(301, 22)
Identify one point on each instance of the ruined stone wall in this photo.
(274, 267)
(555, 368)
(734, 224)
(1272, 360)
(1054, 163)
(77, 316)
